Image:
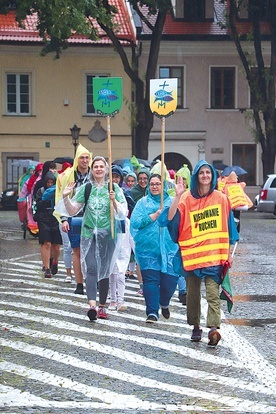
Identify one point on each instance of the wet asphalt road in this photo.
(53, 360)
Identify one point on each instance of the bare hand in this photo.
(112, 195)
(180, 187)
(68, 189)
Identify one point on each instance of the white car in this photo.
(266, 201)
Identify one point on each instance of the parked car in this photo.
(9, 199)
(267, 197)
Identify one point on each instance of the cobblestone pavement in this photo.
(54, 360)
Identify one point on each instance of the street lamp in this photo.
(75, 132)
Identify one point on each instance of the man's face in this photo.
(116, 178)
(143, 180)
(83, 161)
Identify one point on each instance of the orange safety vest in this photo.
(204, 236)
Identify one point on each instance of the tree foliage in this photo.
(261, 75)
(58, 19)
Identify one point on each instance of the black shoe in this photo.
(196, 334)
(79, 289)
(184, 299)
(54, 269)
(151, 319)
(165, 312)
(92, 313)
(47, 274)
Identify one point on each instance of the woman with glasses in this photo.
(154, 251)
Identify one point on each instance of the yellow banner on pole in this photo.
(163, 96)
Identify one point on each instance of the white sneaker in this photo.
(121, 307)
(68, 279)
(112, 306)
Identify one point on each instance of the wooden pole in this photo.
(110, 175)
(162, 161)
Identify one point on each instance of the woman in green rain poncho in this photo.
(98, 249)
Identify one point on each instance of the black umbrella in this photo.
(219, 165)
(61, 160)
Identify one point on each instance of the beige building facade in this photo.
(58, 100)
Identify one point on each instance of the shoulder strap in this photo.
(87, 191)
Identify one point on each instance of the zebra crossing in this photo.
(53, 358)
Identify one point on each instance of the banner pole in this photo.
(110, 175)
(162, 160)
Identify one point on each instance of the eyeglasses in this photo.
(155, 184)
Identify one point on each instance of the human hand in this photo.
(180, 186)
(68, 189)
(112, 195)
(65, 226)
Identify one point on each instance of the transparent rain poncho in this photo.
(96, 239)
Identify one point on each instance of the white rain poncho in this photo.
(96, 225)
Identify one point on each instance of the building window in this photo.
(90, 110)
(194, 10)
(178, 73)
(18, 94)
(248, 8)
(222, 88)
(245, 155)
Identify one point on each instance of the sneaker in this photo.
(54, 268)
(92, 313)
(151, 319)
(47, 274)
(140, 292)
(79, 289)
(214, 337)
(43, 269)
(165, 312)
(102, 313)
(121, 307)
(196, 334)
(112, 306)
(68, 279)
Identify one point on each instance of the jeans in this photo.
(181, 284)
(158, 289)
(67, 250)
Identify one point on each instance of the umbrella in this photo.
(236, 168)
(121, 162)
(24, 163)
(226, 290)
(219, 166)
(61, 160)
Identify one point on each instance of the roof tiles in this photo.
(11, 32)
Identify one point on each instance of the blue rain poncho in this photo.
(154, 248)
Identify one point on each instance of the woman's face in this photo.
(143, 180)
(155, 186)
(99, 169)
(131, 181)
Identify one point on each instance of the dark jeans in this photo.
(158, 289)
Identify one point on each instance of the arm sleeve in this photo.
(172, 225)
